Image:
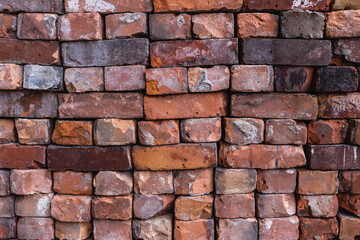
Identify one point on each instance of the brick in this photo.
(317, 182)
(198, 6)
(119, 229)
(11, 76)
(64, 230)
(153, 182)
(293, 79)
(201, 130)
(194, 182)
(7, 131)
(190, 53)
(36, 26)
(67, 208)
(275, 205)
(275, 105)
(349, 182)
(29, 52)
(349, 49)
(337, 106)
(317, 206)
(257, 25)
(244, 130)
(309, 24)
(38, 77)
(23, 157)
(349, 226)
(154, 133)
(108, 105)
(104, 53)
(252, 78)
(161, 81)
(7, 207)
(336, 79)
(80, 26)
(113, 183)
(114, 132)
(342, 24)
(276, 181)
(350, 203)
(149, 206)
(114, 208)
(312, 228)
(213, 25)
(261, 156)
(33, 131)
(202, 229)
(185, 106)
(170, 26)
(108, 6)
(279, 228)
(287, 52)
(174, 157)
(84, 79)
(55, 6)
(159, 228)
(34, 181)
(68, 182)
(354, 133)
(8, 26)
(125, 78)
(235, 206)
(237, 228)
(345, 4)
(35, 228)
(7, 227)
(212, 79)
(4, 183)
(284, 5)
(37, 205)
(72, 133)
(126, 25)
(28, 104)
(193, 208)
(327, 131)
(285, 131)
(233, 181)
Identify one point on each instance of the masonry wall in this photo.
(176, 119)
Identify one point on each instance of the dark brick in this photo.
(22, 157)
(349, 49)
(293, 79)
(284, 5)
(7, 228)
(337, 79)
(55, 6)
(339, 105)
(317, 228)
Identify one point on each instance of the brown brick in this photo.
(212, 79)
(7, 228)
(194, 182)
(72, 133)
(349, 226)
(161, 81)
(170, 26)
(202, 229)
(252, 78)
(114, 132)
(235, 206)
(35, 228)
(7, 207)
(176, 157)
(201, 130)
(257, 25)
(55, 6)
(23, 157)
(108, 105)
(317, 206)
(194, 52)
(119, 229)
(336, 79)
(231, 181)
(125, 25)
(337, 106)
(349, 182)
(149, 206)
(213, 25)
(64, 230)
(76, 183)
(246, 228)
(275, 105)
(33, 131)
(125, 78)
(4, 183)
(327, 131)
(154, 133)
(261, 156)
(345, 4)
(317, 228)
(354, 131)
(67, 208)
(342, 24)
(186, 106)
(114, 208)
(113, 183)
(11, 76)
(84, 79)
(7, 26)
(317, 182)
(293, 79)
(7, 131)
(37, 205)
(275, 205)
(37, 26)
(108, 6)
(193, 208)
(276, 181)
(349, 49)
(88, 158)
(201, 5)
(285, 131)
(244, 130)
(24, 182)
(350, 203)
(284, 5)
(153, 182)
(279, 228)
(159, 228)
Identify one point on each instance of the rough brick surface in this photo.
(252, 78)
(108, 6)
(293, 79)
(33, 131)
(125, 78)
(37, 26)
(11, 76)
(76, 183)
(343, 24)
(202, 5)
(84, 79)
(212, 79)
(126, 25)
(213, 25)
(201, 130)
(257, 25)
(170, 26)
(8, 26)
(158, 132)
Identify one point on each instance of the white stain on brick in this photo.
(250, 131)
(130, 17)
(304, 3)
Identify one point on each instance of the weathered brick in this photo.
(35, 228)
(212, 79)
(194, 52)
(72, 133)
(175, 157)
(114, 208)
(113, 183)
(166, 81)
(125, 78)
(244, 130)
(107, 105)
(170, 26)
(104, 53)
(108, 6)
(252, 78)
(114, 132)
(64, 230)
(67, 208)
(213, 25)
(38, 77)
(317, 182)
(349, 226)
(285, 131)
(343, 24)
(4, 183)
(349, 49)
(354, 131)
(23, 157)
(198, 6)
(257, 25)
(159, 228)
(36, 26)
(33, 131)
(194, 182)
(317, 228)
(37, 205)
(125, 25)
(11, 76)
(68, 182)
(185, 106)
(31, 6)
(345, 4)
(84, 79)
(350, 203)
(88, 158)
(275, 205)
(349, 182)
(275, 105)
(149, 206)
(308, 24)
(317, 206)
(337, 79)
(119, 229)
(261, 156)
(276, 181)
(154, 133)
(337, 106)
(232, 181)
(279, 228)
(34, 181)
(231, 229)
(293, 79)
(193, 208)
(287, 52)
(202, 229)
(201, 130)
(7, 207)
(153, 182)
(284, 5)
(327, 131)
(7, 25)
(7, 131)
(235, 206)
(7, 227)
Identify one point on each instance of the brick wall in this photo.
(177, 119)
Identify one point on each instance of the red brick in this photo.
(114, 132)
(293, 79)
(342, 24)
(201, 130)
(212, 79)
(317, 182)
(113, 183)
(67, 208)
(33, 131)
(7, 26)
(154, 133)
(35, 228)
(64, 230)
(275, 205)
(108, 6)
(257, 25)
(252, 78)
(337, 106)
(149, 206)
(193, 208)
(114, 208)
(24, 182)
(31, 6)
(317, 206)
(159, 228)
(276, 181)
(317, 228)
(200, 5)
(161, 81)
(176, 157)
(186, 106)
(349, 49)
(213, 25)
(285, 131)
(244, 130)
(72, 133)
(4, 183)
(170, 26)
(279, 228)
(76, 183)
(336, 79)
(327, 131)
(11, 76)
(350, 203)
(232, 181)
(349, 182)
(202, 229)
(284, 5)
(37, 26)
(235, 206)
(37, 205)
(125, 78)
(194, 52)
(237, 228)
(261, 156)
(107, 229)
(153, 182)
(7, 228)
(7, 131)
(125, 25)
(18, 156)
(194, 182)
(84, 79)
(7, 207)
(349, 226)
